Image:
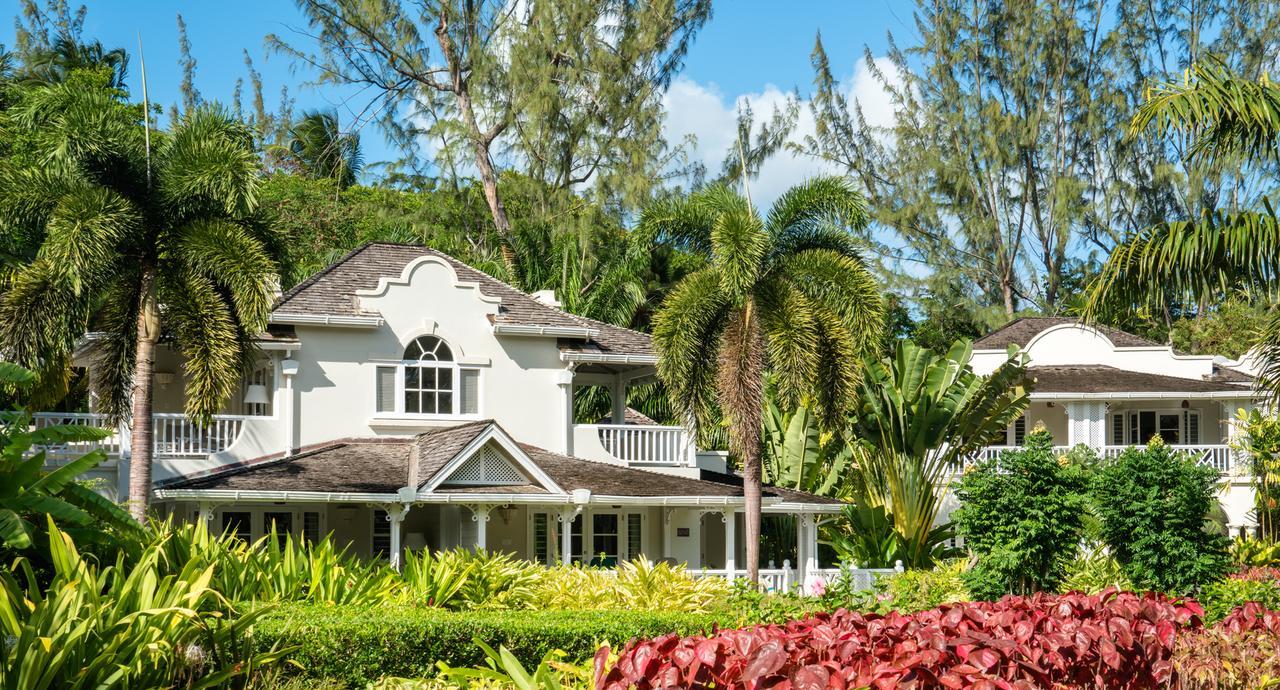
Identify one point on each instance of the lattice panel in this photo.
(487, 467)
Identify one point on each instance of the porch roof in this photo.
(1093, 379)
(385, 466)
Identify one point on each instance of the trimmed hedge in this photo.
(356, 645)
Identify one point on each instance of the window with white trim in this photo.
(428, 381)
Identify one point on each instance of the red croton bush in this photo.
(1112, 640)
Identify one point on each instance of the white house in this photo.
(1109, 389)
(404, 399)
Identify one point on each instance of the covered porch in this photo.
(473, 486)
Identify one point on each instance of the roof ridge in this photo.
(293, 291)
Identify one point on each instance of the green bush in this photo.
(1251, 584)
(1152, 503)
(1092, 571)
(358, 645)
(1022, 515)
(917, 590)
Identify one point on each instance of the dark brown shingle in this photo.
(1020, 331)
(1102, 379)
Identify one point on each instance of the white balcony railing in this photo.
(785, 578)
(1218, 456)
(635, 444)
(173, 435)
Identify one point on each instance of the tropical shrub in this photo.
(638, 585)
(1021, 515)
(122, 626)
(1251, 552)
(28, 494)
(1242, 651)
(1113, 640)
(865, 535)
(798, 455)
(274, 569)
(503, 669)
(918, 416)
(1260, 443)
(356, 645)
(1093, 570)
(917, 590)
(1260, 585)
(1152, 504)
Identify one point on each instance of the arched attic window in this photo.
(428, 382)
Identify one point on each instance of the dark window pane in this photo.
(411, 401)
(428, 403)
(238, 523)
(446, 379)
(282, 522)
(428, 379)
(442, 353)
(446, 404)
(411, 377)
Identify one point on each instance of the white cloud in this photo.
(711, 116)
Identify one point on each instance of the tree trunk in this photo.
(140, 435)
(740, 384)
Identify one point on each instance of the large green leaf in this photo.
(13, 531)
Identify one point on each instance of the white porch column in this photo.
(122, 465)
(480, 515)
(811, 545)
(288, 369)
(395, 515)
(565, 519)
(618, 396)
(1087, 423)
(668, 535)
(730, 541)
(564, 379)
(802, 547)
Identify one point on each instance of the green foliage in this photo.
(1153, 503)
(320, 150)
(1021, 514)
(358, 645)
(1249, 552)
(145, 625)
(917, 590)
(797, 455)
(1229, 329)
(918, 415)
(1223, 596)
(865, 535)
(1093, 570)
(504, 669)
(638, 585)
(274, 569)
(28, 494)
(1260, 442)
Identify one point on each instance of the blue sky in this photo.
(754, 49)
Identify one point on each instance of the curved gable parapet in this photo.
(1055, 332)
(385, 283)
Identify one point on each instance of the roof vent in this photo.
(547, 297)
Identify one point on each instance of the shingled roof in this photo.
(382, 466)
(1020, 331)
(1094, 378)
(332, 292)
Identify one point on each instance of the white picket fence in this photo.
(786, 578)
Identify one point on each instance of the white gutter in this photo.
(235, 495)
(286, 496)
(327, 320)
(1202, 395)
(545, 331)
(600, 358)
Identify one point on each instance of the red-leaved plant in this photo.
(1111, 639)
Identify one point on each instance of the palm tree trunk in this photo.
(140, 435)
(740, 384)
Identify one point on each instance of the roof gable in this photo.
(1023, 330)
(488, 443)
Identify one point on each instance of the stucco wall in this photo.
(1072, 344)
(335, 386)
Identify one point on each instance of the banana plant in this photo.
(797, 455)
(27, 491)
(918, 416)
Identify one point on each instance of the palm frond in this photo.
(224, 252)
(687, 334)
(205, 331)
(821, 201)
(208, 164)
(1220, 114)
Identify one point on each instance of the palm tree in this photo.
(788, 293)
(322, 151)
(54, 63)
(919, 416)
(1226, 119)
(136, 245)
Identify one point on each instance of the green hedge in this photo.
(356, 645)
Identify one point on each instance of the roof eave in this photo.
(601, 358)
(336, 320)
(545, 331)
(1140, 395)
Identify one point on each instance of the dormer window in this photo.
(428, 382)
